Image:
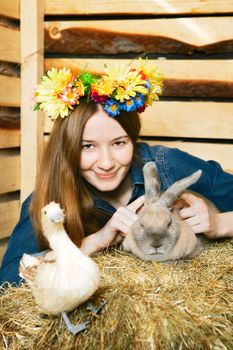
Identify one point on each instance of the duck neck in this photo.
(58, 239)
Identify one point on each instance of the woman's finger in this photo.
(190, 198)
(187, 213)
(195, 220)
(120, 226)
(137, 204)
(126, 213)
(199, 228)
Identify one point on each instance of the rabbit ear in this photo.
(171, 194)
(152, 183)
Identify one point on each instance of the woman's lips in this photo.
(106, 176)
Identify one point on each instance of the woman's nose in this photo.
(105, 161)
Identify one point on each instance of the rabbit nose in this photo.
(157, 244)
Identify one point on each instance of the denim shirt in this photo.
(172, 165)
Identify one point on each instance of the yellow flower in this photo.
(117, 73)
(56, 108)
(130, 86)
(56, 93)
(79, 88)
(104, 86)
(155, 78)
(126, 81)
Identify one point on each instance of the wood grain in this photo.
(3, 246)
(94, 7)
(9, 138)
(10, 8)
(175, 35)
(32, 57)
(9, 170)
(9, 118)
(212, 120)
(10, 91)
(9, 215)
(9, 44)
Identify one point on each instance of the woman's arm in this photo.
(115, 229)
(202, 219)
(224, 224)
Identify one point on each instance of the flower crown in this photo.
(127, 88)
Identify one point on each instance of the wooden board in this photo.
(10, 8)
(221, 153)
(9, 171)
(32, 55)
(10, 91)
(9, 138)
(9, 44)
(9, 118)
(184, 119)
(182, 78)
(169, 35)
(211, 70)
(3, 246)
(10, 68)
(9, 216)
(189, 119)
(90, 7)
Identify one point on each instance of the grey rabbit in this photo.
(159, 233)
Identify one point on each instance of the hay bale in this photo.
(184, 305)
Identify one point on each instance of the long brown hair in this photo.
(59, 178)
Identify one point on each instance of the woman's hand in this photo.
(198, 215)
(121, 221)
(115, 229)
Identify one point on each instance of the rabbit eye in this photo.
(169, 223)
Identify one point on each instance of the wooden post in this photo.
(32, 56)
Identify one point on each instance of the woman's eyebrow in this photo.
(88, 141)
(115, 139)
(120, 137)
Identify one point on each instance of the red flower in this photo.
(141, 109)
(97, 98)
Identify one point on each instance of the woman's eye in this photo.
(120, 143)
(87, 146)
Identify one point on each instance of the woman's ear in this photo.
(152, 183)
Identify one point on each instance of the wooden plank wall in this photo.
(9, 119)
(190, 41)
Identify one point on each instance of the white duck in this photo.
(62, 283)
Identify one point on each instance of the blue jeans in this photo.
(23, 240)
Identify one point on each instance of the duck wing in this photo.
(28, 266)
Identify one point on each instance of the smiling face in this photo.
(107, 152)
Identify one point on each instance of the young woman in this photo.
(93, 163)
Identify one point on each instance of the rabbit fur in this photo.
(159, 233)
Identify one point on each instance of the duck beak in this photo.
(56, 217)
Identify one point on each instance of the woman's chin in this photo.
(106, 187)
